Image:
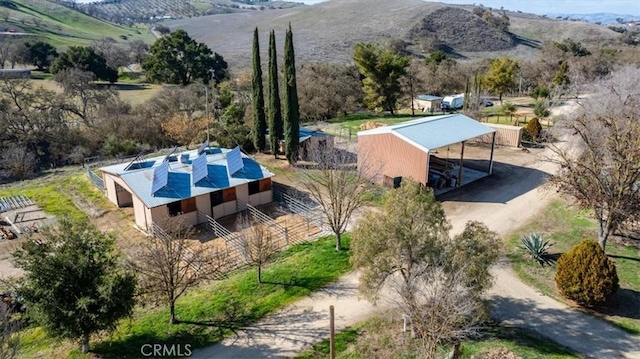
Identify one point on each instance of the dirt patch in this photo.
(499, 353)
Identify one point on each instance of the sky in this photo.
(540, 7)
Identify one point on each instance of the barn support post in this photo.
(459, 181)
(493, 145)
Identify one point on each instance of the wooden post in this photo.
(459, 182)
(332, 334)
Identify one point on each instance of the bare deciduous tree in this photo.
(87, 97)
(258, 245)
(405, 251)
(169, 264)
(336, 186)
(4, 15)
(9, 327)
(602, 171)
(138, 50)
(115, 55)
(17, 161)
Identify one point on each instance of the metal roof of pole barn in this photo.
(179, 185)
(433, 132)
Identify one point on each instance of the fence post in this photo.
(332, 334)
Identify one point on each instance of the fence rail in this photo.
(95, 179)
(262, 218)
(311, 213)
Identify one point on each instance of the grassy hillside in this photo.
(328, 31)
(63, 26)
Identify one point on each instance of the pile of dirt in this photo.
(370, 124)
(461, 30)
(499, 353)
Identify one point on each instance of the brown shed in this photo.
(408, 150)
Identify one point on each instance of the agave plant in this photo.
(535, 246)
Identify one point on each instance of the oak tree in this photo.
(179, 59)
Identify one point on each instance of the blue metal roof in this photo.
(179, 184)
(428, 97)
(429, 133)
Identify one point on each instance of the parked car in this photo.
(486, 103)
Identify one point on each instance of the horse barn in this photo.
(191, 185)
(421, 149)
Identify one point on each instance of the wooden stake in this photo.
(332, 334)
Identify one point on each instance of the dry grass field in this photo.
(328, 31)
(133, 93)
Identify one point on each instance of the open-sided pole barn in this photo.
(410, 150)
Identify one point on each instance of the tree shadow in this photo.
(625, 303)
(535, 44)
(581, 332)
(623, 257)
(123, 86)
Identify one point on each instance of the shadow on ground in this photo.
(571, 328)
(512, 180)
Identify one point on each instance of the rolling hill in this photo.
(61, 25)
(328, 31)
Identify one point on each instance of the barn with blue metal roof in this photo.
(219, 193)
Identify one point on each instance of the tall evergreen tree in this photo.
(259, 120)
(276, 130)
(291, 110)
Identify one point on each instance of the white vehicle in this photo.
(454, 102)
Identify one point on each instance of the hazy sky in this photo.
(630, 7)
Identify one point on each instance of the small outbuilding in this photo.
(427, 103)
(15, 74)
(410, 150)
(211, 182)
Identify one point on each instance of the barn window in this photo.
(254, 187)
(175, 208)
(216, 198)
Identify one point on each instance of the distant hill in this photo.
(598, 18)
(61, 25)
(328, 31)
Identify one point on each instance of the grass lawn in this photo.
(51, 195)
(230, 303)
(356, 342)
(566, 227)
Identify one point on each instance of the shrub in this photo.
(540, 92)
(540, 109)
(533, 128)
(536, 247)
(586, 275)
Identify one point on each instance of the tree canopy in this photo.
(406, 250)
(40, 54)
(257, 97)
(85, 59)
(178, 59)
(382, 69)
(291, 113)
(274, 110)
(74, 285)
(502, 76)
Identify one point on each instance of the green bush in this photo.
(540, 109)
(540, 92)
(586, 275)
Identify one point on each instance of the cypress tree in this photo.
(274, 110)
(259, 120)
(291, 111)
